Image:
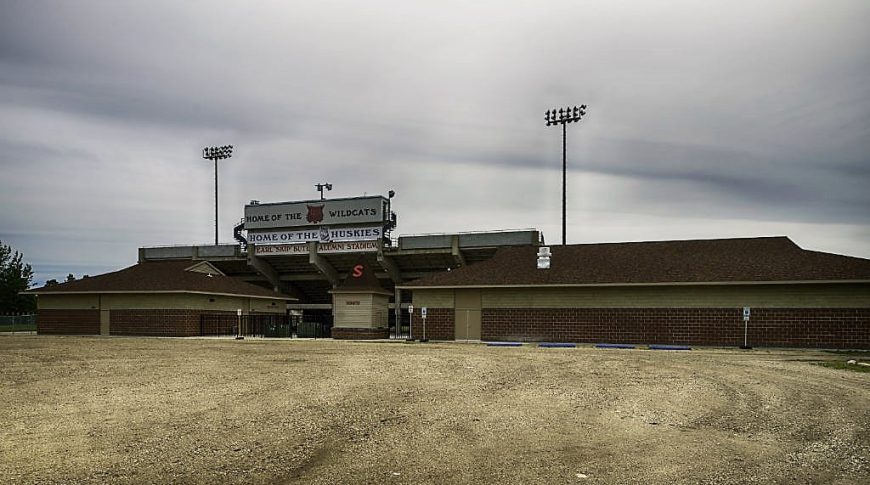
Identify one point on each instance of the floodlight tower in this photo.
(215, 154)
(320, 187)
(562, 117)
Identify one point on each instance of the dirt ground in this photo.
(148, 410)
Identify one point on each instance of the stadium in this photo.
(333, 268)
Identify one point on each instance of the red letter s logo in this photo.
(357, 271)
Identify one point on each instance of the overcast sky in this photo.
(706, 119)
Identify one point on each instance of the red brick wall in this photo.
(159, 323)
(360, 333)
(779, 327)
(68, 322)
(843, 328)
(439, 324)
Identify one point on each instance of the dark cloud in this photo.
(705, 120)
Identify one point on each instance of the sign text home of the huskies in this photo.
(322, 234)
(357, 210)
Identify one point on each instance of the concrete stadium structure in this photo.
(310, 277)
(335, 262)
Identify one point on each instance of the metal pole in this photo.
(398, 311)
(215, 203)
(564, 177)
(745, 332)
(563, 116)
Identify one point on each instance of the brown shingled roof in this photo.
(765, 259)
(161, 277)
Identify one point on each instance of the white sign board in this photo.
(746, 312)
(411, 309)
(423, 312)
(322, 248)
(356, 210)
(323, 234)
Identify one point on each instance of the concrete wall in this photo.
(470, 239)
(811, 315)
(178, 301)
(713, 296)
(761, 296)
(189, 252)
(161, 314)
(433, 298)
(257, 305)
(68, 302)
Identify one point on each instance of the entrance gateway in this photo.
(308, 248)
(354, 227)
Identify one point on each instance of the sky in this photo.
(711, 119)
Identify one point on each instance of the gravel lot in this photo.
(134, 410)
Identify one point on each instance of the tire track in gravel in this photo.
(176, 410)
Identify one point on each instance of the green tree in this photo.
(15, 276)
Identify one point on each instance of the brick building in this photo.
(670, 292)
(158, 298)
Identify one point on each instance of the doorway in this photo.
(104, 322)
(467, 315)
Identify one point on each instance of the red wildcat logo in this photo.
(315, 213)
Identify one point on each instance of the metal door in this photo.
(467, 324)
(104, 322)
(467, 316)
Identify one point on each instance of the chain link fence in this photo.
(17, 323)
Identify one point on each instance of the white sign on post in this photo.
(746, 313)
(411, 309)
(423, 312)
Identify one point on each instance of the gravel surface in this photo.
(149, 410)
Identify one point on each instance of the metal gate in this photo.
(315, 324)
(266, 325)
(403, 330)
(256, 325)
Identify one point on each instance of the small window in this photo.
(211, 300)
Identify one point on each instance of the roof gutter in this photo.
(606, 285)
(155, 292)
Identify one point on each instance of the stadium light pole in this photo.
(320, 187)
(215, 154)
(562, 117)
